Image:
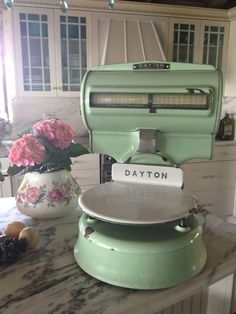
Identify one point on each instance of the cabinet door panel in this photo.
(34, 43)
(86, 177)
(72, 43)
(88, 161)
(220, 201)
(184, 40)
(210, 175)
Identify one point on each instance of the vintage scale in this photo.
(139, 231)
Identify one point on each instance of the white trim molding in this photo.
(135, 8)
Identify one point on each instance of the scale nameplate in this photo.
(145, 174)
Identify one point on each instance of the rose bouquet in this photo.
(47, 146)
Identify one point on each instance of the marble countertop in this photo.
(48, 280)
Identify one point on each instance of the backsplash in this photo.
(27, 111)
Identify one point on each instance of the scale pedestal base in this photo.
(140, 256)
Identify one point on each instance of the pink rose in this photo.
(20, 197)
(56, 195)
(56, 131)
(27, 151)
(66, 188)
(32, 194)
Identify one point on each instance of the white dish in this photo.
(136, 203)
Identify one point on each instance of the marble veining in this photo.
(48, 280)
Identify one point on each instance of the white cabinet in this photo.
(120, 38)
(213, 181)
(50, 51)
(5, 188)
(199, 41)
(86, 171)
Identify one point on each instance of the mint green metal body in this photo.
(155, 255)
(140, 257)
(181, 134)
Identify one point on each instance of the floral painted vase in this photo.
(47, 195)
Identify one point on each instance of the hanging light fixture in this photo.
(63, 6)
(9, 3)
(111, 4)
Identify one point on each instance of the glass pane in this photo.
(74, 76)
(214, 29)
(73, 19)
(44, 30)
(175, 53)
(175, 37)
(26, 75)
(35, 53)
(44, 18)
(64, 77)
(64, 53)
(83, 20)
(26, 87)
(33, 17)
(83, 32)
(34, 29)
(24, 51)
(220, 54)
(212, 56)
(192, 38)
(183, 37)
(37, 88)
(73, 48)
(36, 75)
(22, 16)
(73, 31)
(47, 76)
(221, 40)
(45, 54)
(23, 28)
(74, 88)
(213, 39)
(184, 26)
(63, 31)
(83, 55)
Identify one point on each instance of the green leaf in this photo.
(1, 177)
(76, 150)
(14, 170)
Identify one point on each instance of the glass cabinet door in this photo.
(73, 51)
(183, 44)
(51, 47)
(35, 51)
(213, 45)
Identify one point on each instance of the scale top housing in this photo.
(173, 107)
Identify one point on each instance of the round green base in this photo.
(140, 257)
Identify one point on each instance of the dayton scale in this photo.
(139, 231)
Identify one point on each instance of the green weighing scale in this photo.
(138, 231)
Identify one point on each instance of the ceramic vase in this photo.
(47, 195)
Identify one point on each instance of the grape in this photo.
(11, 249)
